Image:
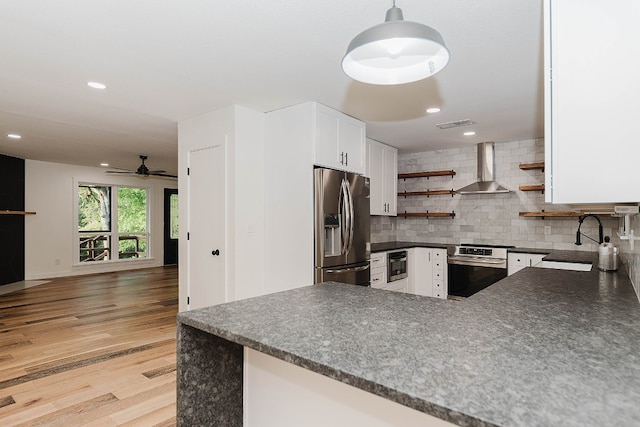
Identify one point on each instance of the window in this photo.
(112, 222)
(173, 216)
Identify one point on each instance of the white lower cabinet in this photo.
(428, 272)
(378, 270)
(517, 261)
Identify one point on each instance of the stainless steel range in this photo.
(474, 267)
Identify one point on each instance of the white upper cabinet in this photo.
(339, 141)
(382, 168)
(592, 101)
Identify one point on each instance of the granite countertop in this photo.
(542, 347)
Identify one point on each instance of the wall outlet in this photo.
(432, 228)
(547, 229)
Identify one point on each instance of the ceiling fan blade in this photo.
(157, 172)
(121, 169)
(165, 175)
(124, 171)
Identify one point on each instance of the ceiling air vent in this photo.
(456, 124)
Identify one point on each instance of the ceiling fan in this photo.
(142, 171)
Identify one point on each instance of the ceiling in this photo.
(167, 60)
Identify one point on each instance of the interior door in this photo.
(170, 226)
(206, 244)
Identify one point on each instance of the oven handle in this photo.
(489, 263)
(391, 259)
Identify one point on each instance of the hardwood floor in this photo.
(96, 350)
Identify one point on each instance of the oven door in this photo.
(466, 280)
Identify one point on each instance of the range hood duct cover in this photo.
(486, 183)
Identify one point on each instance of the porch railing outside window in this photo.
(112, 223)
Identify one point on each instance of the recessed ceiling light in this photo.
(433, 110)
(104, 164)
(97, 85)
(470, 133)
(14, 136)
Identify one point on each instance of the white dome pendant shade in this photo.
(395, 52)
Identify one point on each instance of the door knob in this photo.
(216, 252)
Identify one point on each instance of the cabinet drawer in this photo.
(378, 280)
(438, 286)
(438, 255)
(438, 275)
(438, 265)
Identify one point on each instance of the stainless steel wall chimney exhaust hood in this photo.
(486, 173)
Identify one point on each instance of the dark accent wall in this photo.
(11, 226)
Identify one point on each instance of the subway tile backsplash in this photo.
(493, 218)
(489, 218)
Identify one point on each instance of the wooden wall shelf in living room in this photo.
(7, 212)
(427, 174)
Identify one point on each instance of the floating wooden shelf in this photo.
(427, 193)
(544, 214)
(426, 174)
(531, 166)
(16, 213)
(536, 187)
(428, 214)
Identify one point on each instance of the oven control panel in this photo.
(476, 251)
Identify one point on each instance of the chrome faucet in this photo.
(600, 231)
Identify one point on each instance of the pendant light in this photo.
(395, 52)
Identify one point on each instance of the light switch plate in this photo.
(432, 228)
(547, 229)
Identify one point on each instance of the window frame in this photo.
(113, 233)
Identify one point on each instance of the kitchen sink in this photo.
(561, 265)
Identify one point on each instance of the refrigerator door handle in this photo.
(343, 208)
(351, 217)
(348, 270)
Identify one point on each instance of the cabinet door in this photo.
(326, 151)
(390, 180)
(591, 100)
(375, 153)
(383, 173)
(515, 262)
(421, 272)
(352, 143)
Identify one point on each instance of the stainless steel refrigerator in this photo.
(342, 232)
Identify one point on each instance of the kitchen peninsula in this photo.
(541, 347)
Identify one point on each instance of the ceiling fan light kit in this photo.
(395, 52)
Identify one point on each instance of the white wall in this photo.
(49, 235)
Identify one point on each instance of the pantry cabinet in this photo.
(591, 100)
(339, 141)
(382, 169)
